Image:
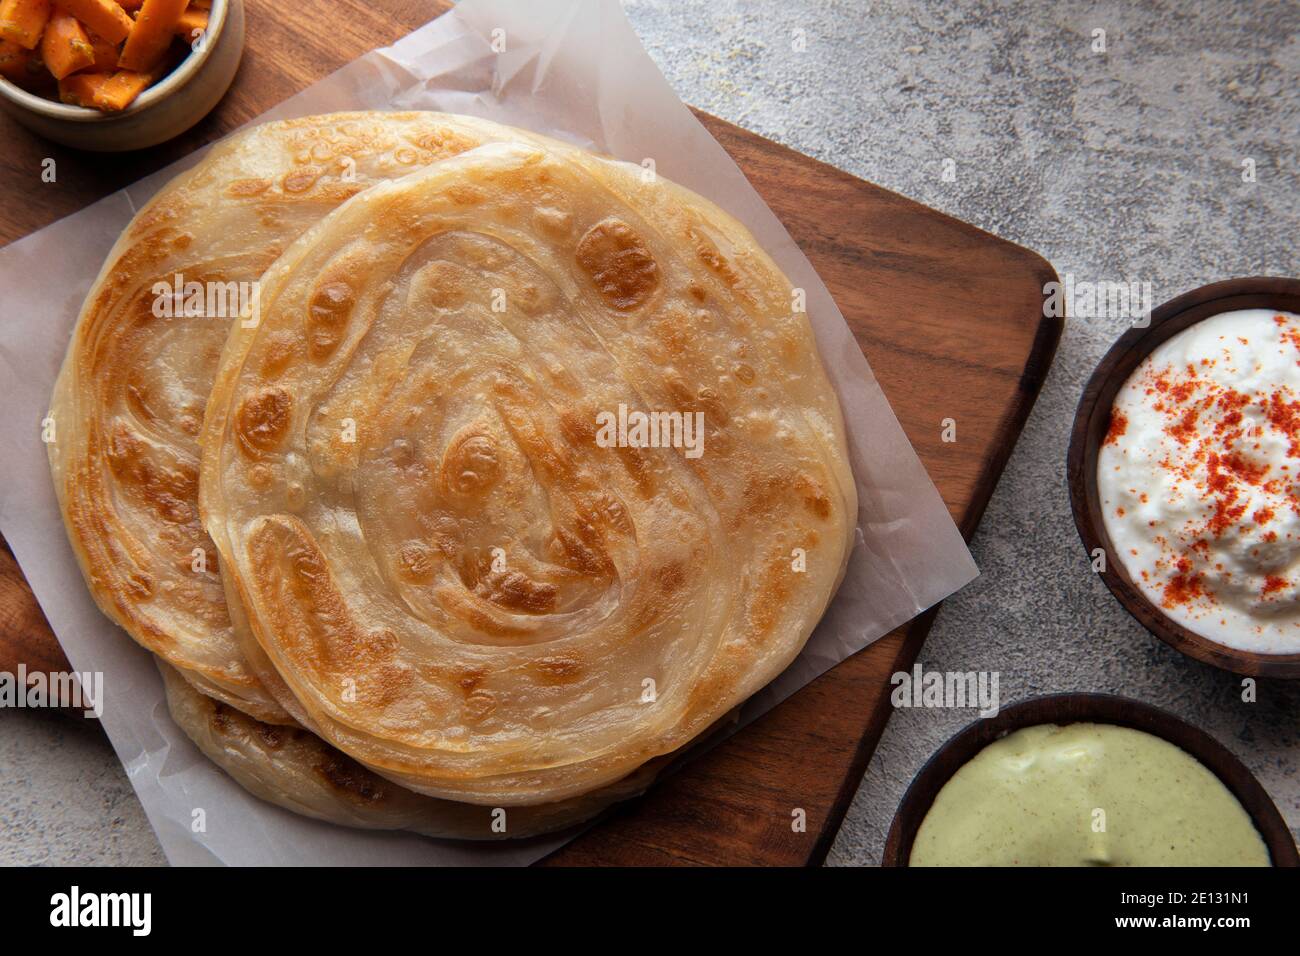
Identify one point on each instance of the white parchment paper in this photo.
(573, 69)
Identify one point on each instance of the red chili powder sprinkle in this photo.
(1185, 429)
(1184, 587)
(1118, 427)
(1291, 335)
(1285, 417)
(1273, 584)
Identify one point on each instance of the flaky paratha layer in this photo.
(294, 769)
(449, 574)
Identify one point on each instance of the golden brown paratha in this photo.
(453, 570)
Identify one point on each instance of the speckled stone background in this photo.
(1124, 165)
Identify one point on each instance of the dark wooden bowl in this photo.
(1093, 419)
(1090, 708)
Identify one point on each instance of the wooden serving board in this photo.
(949, 316)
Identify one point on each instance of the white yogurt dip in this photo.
(1199, 479)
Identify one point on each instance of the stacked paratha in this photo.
(520, 473)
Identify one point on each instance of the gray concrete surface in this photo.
(1122, 166)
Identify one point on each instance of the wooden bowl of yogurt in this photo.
(1184, 471)
(1086, 780)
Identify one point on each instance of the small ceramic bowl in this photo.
(166, 109)
(1065, 709)
(1091, 422)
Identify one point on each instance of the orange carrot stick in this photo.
(192, 23)
(80, 89)
(104, 17)
(13, 61)
(65, 46)
(154, 27)
(123, 87)
(106, 54)
(23, 21)
(26, 68)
